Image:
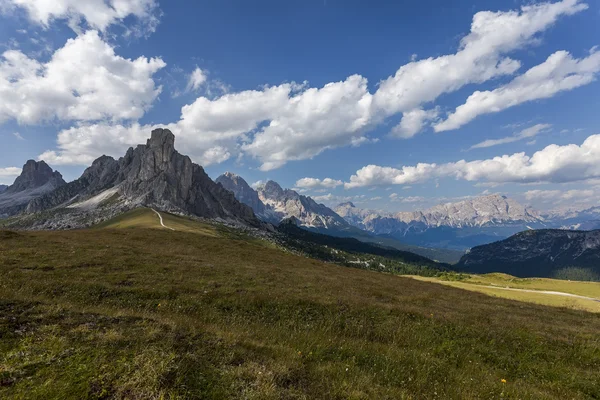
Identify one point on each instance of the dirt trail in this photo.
(161, 220)
(539, 291)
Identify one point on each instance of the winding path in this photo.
(541, 291)
(161, 220)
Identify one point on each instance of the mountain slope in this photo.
(155, 313)
(540, 253)
(153, 175)
(3, 188)
(36, 179)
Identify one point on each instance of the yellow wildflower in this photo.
(503, 380)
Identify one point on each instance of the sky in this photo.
(392, 105)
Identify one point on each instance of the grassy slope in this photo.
(145, 313)
(579, 288)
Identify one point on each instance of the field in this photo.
(136, 311)
(534, 290)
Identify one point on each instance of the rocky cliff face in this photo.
(153, 175)
(3, 188)
(274, 204)
(536, 253)
(288, 203)
(244, 193)
(36, 179)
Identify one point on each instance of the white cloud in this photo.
(99, 14)
(279, 124)
(83, 81)
(555, 164)
(196, 79)
(306, 124)
(18, 136)
(412, 122)
(479, 58)
(560, 72)
(8, 175)
(313, 183)
(81, 145)
(554, 195)
(578, 198)
(524, 134)
(333, 199)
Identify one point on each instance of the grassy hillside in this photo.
(146, 312)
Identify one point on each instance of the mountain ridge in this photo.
(540, 253)
(457, 225)
(152, 175)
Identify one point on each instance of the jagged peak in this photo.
(161, 138)
(272, 186)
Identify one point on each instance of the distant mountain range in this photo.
(273, 204)
(464, 224)
(155, 175)
(542, 253)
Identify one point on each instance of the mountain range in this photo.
(272, 203)
(464, 224)
(155, 175)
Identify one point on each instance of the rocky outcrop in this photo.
(288, 203)
(536, 253)
(36, 179)
(153, 175)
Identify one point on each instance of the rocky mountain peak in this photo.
(36, 179)
(35, 174)
(153, 175)
(271, 190)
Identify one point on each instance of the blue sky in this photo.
(293, 90)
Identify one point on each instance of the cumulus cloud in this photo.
(413, 122)
(287, 122)
(82, 144)
(480, 56)
(334, 199)
(313, 183)
(99, 14)
(197, 78)
(555, 164)
(524, 134)
(554, 195)
(559, 73)
(83, 81)
(8, 175)
(312, 121)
